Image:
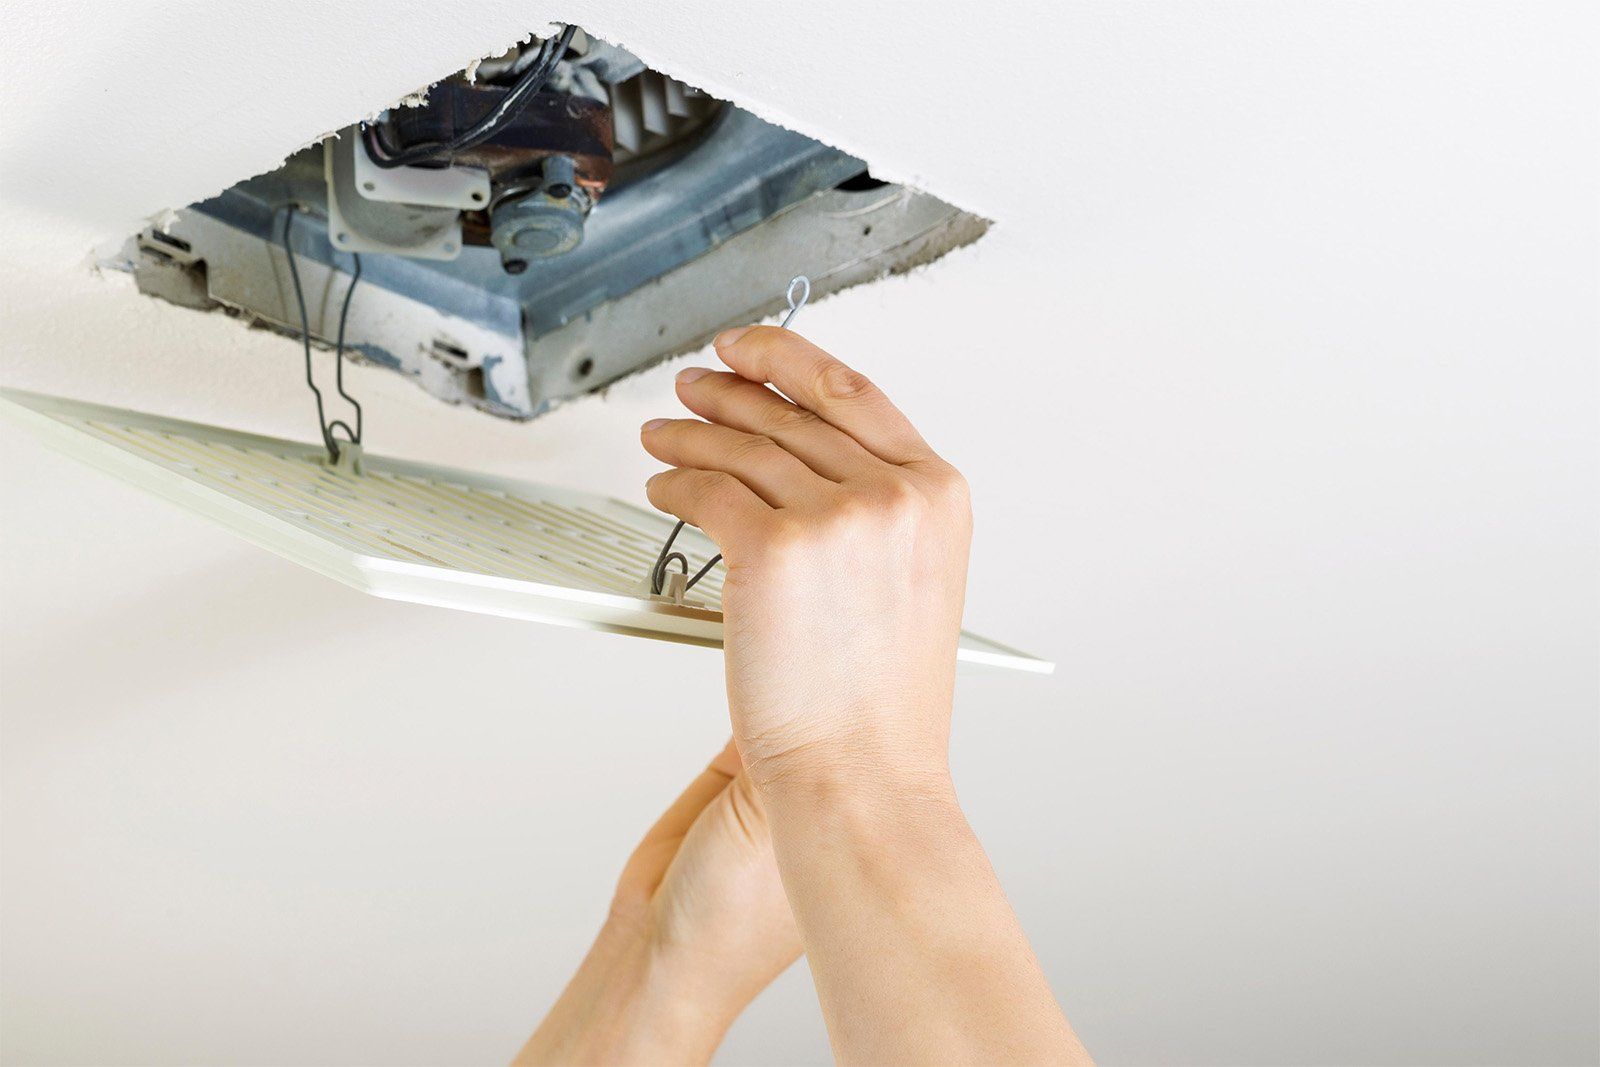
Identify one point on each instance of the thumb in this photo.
(660, 843)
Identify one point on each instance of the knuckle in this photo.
(709, 482)
(786, 418)
(752, 447)
(897, 503)
(859, 510)
(788, 539)
(900, 500)
(951, 488)
(835, 381)
(721, 489)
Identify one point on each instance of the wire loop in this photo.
(658, 573)
(801, 282)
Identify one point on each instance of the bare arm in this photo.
(915, 952)
(699, 925)
(846, 543)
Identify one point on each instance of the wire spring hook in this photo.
(802, 283)
(329, 440)
(798, 295)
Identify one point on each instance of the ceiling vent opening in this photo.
(563, 214)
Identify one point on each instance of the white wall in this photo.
(1276, 386)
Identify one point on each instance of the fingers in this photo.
(660, 843)
(675, 821)
(814, 380)
(718, 503)
(775, 475)
(733, 401)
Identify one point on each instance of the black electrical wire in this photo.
(658, 573)
(702, 572)
(510, 106)
(329, 442)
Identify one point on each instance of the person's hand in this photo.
(845, 538)
(698, 926)
(703, 889)
(846, 542)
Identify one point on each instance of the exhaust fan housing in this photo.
(609, 219)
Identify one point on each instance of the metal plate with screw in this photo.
(464, 188)
(357, 224)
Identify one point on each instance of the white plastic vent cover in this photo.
(408, 531)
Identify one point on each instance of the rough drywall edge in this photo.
(721, 89)
(730, 91)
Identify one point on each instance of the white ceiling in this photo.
(1275, 384)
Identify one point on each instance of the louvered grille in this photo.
(408, 531)
(417, 519)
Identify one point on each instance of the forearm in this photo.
(916, 954)
(630, 1004)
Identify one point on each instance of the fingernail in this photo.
(728, 337)
(689, 374)
(654, 424)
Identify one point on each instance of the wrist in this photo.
(862, 769)
(632, 1001)
(875, 802)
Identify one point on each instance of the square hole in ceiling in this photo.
(539, 225)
